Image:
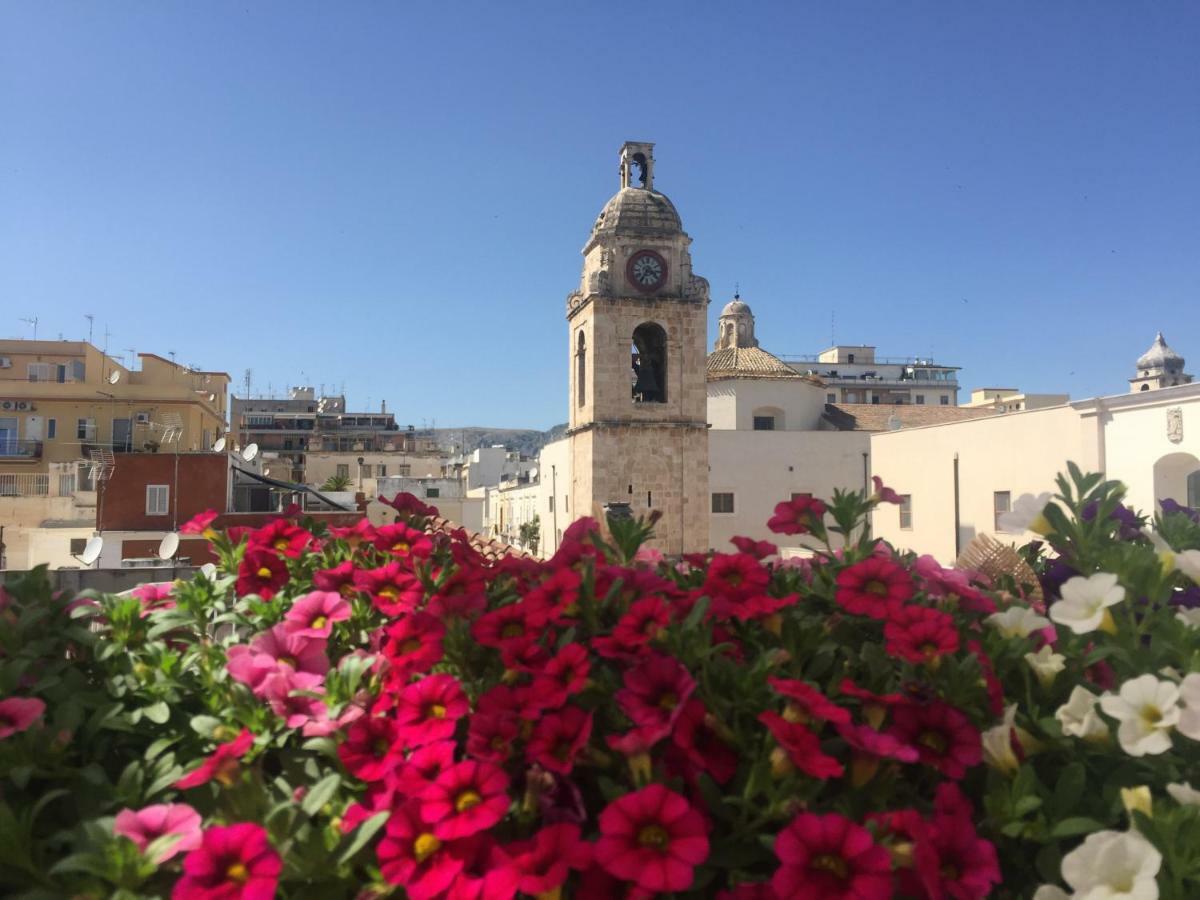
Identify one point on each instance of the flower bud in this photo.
(1041, 525)
(1108, 624)
(902, 854)
(781, 766)
(1137, 799)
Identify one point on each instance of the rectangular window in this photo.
(51, 429)
(343, 470)
(566, 503)
(78, 545)
(433, 492)
(722, 503)
(796, 495)
(906, 512)
(85, 429)
(920, 399)
(381, 471)
(945, 400)
(157, 497)
(1001, 503)
(42, 371)
(764, 423)
(875, 399)
(831, 398)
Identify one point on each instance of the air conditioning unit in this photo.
(142, 418)
(5, 362)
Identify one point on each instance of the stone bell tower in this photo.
(638, 423)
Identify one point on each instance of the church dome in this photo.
(638, 211)
(1160, 356)
(735, 307)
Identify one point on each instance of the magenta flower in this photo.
(233, 862)
(275, 650)
(145, 826)
(18, 713)
(313, 615)
(296, 709)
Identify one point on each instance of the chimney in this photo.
(382, 406)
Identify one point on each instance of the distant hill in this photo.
(523, 440)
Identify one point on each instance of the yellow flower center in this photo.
(425, 846)
(412, 645)
(437, 711)
(467, 800)
(264, 572)
(831, 863)
(653, 836)
(512, 630)
(400, 547)
(1151, 714)
(237, 872)
(668, 701)
(934, 741)
(876, 587)
(281, 544)
(319, 622)
(389, 591)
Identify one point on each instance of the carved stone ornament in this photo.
(1175, 424)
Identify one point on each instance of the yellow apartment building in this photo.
(61, 400)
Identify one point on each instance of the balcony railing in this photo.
(37, 484)
(11, 448)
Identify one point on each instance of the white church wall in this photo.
(796, 404)
(761, 468)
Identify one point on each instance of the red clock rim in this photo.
(645, 288)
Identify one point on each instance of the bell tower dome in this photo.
(637, 334)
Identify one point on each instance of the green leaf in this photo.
(1067, 789)
(158, 712)
(362, 835)
(320, 794)
(1076, 825)
(205, 725)
(697, 613)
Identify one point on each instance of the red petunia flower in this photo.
(700, 746)
(803, 747)
(199, 523)
(797, 516)
(222, 765)
(261, 572)
(558, 738)
(655, 691)
(832, 858)
(643, 623)
(757, 549)
(557, 598)
(423, 766)
(943, 736)
(544, 862)
(877, 744)
(393, 590)
(883, 494)
(233, 862)
(372, 749)
(461, 596)
(733, 577)
(361, 532)
(412, 856)
(409, 506)
(952, 861)
(653, 838)
(510, 623)
(562, 677)
(491, 736)
(488, 872)
(281, 536)
(466, 798)
(413, 645)
(806, 702)
(874, 587)
(920, 635)
(428, 710)
(400, 540)
(340, 579)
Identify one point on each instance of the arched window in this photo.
(1145, 387)
(580, 370)
(649, 363)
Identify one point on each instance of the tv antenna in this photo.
(32, 322)
(132, 351)
(91, 322)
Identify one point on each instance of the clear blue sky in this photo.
(394, 196)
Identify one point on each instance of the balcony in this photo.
(13, 450)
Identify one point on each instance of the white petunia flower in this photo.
(1188, 562)
(1079, 718)
(1112, 864)
(1085, 601)
(1189, 617)
(997, 744)
(1189, 719)
(1147, 709)
(1017, 621)
(1046, 664)
(1184, 794)
(1026, 515)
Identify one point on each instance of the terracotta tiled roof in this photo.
(747, 362)
(489, 548)
(876, 417)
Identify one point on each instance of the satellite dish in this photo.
(208, 570)
(114, 376)
(168, 546)
(91, 552)
(250, 452)
(219, 445)
(894, 423)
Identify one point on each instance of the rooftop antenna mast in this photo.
(246, 378)
(132, 351)
(32, 322)
(107, 335)
(833, 328)
(91, 322)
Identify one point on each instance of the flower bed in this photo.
(372, 711)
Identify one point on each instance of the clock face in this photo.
(647, 271)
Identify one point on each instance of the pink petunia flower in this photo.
(313, 615)
(144, 826)
(18, 713)
(467, 798)
(222, 766)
